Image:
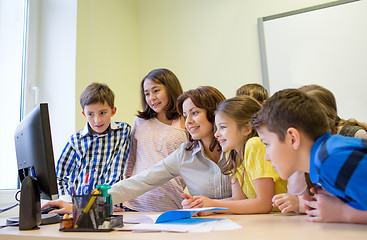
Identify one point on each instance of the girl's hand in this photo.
(64, 207)
(190, 201)
(206, 213)
(286, 202)
(206, 202)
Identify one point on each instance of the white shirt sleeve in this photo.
(157, 175)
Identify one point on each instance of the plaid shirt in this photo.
(102, 156)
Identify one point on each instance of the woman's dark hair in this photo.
(205, 97)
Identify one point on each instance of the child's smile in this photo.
(229, 135)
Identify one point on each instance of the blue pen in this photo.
(90, 185)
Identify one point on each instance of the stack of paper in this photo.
(180, 220)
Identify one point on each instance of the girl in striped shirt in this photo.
(157, 131)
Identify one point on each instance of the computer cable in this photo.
(8, 208)
(12, 206)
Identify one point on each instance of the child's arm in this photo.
(237, 193)
(325, 207)
(261, 204)
(197, 201)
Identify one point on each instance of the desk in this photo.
(259, 226)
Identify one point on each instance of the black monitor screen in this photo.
(34, 151)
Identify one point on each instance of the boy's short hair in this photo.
(254, 90)
(292, 108)
(97, 93)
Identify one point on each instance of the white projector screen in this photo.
(324, 45)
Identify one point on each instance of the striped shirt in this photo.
(339, 165)
(152, 141)
(103, 156)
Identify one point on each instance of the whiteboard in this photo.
(324, 45)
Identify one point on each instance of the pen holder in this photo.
(88, 210)
(91, 212)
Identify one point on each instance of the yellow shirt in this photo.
(257, 167)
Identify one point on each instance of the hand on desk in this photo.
(325, 207)
(191, 202)
(195, 202)
(286, 202)
(64, 207)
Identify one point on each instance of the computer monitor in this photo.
(36, 166)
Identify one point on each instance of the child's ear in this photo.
(114, 109)
(294, 137)
(247, 130)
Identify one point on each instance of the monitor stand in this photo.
(30, 216)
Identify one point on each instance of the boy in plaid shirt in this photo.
(99, 150)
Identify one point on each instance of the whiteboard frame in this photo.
(263, 57)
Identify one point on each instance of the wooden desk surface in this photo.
(260, 226)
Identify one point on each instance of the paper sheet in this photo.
(208, 226)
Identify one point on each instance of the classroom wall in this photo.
(50, 70)
(50, 77)
(108, 51)
(204, 42)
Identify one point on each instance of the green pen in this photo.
(107, 197)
